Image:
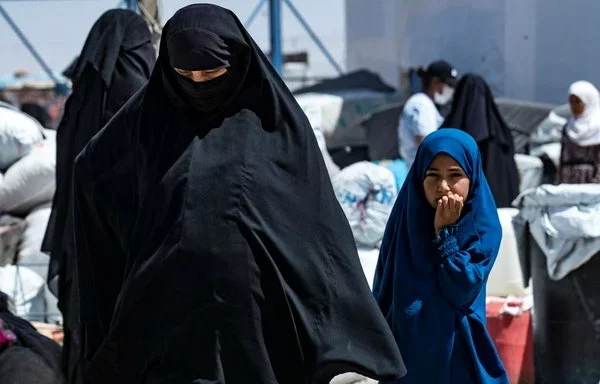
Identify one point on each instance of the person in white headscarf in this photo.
(580, 154)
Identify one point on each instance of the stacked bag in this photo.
(19, 133)
(367, 193)
(28, 165)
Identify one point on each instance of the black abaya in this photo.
(209, 242)
(116, 61)
(475, 112)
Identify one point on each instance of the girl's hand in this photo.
(448, 211)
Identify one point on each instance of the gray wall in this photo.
(526, 49)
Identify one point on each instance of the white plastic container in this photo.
(506, 276)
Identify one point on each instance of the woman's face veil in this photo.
(198, 38)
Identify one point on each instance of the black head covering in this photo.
(117, 30)
(209, 242)
(37, 112)
(69, 71)
(189, 46)
(475, 112)
(116, 61)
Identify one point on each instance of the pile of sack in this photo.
(367, 193)
(27, 186)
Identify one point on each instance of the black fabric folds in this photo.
(116, 61)
(475, 112)
(210, 246)
(33, 359)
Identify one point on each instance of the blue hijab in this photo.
(432, 289)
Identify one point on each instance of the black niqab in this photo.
(475, 112)
(116, 61)
(210, 246)
(205, 97)
(194, 49)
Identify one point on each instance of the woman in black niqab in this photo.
(210, 245)
(475, 112)
(116, 61)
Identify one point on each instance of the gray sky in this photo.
(58, 38)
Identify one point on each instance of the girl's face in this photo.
(445, 175)
(577, 106)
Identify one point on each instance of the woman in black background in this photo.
(116, 61)
(475, 112)
(210, 245)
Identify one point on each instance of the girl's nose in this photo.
(444, 187)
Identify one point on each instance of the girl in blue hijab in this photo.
(438, 249)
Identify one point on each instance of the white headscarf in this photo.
(585, 130)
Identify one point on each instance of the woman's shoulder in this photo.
(419, 97)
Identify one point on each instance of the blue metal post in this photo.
(27, 44)
(254, 13)
(275, 24)
(314, 36)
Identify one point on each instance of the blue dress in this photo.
(432, 289)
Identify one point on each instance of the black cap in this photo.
(443, 71)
